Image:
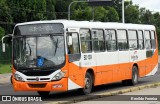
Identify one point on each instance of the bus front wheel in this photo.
(88, 84)
(43, 93)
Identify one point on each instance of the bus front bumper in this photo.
(60, 85)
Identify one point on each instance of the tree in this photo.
(2, 32)
(112, 14)
(62, 8)
(146, 16)
(101, 14)
(40, 10)
(5, 17)
(132, 14)
(50, 9)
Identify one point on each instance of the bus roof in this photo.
(88, 24)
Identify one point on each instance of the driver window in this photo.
(74, 47)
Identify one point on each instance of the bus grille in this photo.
(37, 85)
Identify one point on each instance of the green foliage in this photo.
(2, 32)
(50, 8)
(112, 14)
(5, 68)
(101, 14)
(132, 14)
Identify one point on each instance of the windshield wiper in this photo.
(56, 47)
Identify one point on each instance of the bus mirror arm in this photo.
(3, 44)
(69, 40)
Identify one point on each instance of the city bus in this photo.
(62, 55)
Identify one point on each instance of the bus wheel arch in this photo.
(88, 82)
(92, 74)
(134, 76)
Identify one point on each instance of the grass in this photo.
(5, 68)
(159, 52)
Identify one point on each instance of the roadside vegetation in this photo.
(5, 68)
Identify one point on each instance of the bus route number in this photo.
(87, 57)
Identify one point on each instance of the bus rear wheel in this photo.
(134, 79)
(88, 84)
(43, 93)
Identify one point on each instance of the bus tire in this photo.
(43, 93)
(88, 84)
(134, 79)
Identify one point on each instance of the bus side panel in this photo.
(124, 65)
(107, 66)
(152, 64)
(76, 76)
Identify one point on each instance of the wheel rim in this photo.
(135, 77)
(87, 83)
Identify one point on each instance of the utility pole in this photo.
(69, 8)
(123, 19)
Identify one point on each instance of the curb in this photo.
(107, 94)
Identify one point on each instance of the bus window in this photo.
(98, 40)
(148, 40)
(86, 42)
(74, 48)
(153, 40)
(132, 36)
(122, 40)
(110, 38)
(140, 39)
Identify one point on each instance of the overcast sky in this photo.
(152, 5)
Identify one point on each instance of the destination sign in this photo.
(36, 29)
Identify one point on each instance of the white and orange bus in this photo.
(63, 55)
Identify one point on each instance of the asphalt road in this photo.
(6, 89)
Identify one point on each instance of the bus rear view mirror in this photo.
(3, 47)
(69, 40)
(3, 44)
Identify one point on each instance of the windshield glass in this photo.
(38, 52)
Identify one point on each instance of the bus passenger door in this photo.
(73, 49)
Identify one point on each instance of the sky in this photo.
(152, 5)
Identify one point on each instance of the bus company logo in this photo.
(37, 79)
(134, 57)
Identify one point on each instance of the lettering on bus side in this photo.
(87, 57)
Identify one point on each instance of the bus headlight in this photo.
(59, 76)
(18, 77)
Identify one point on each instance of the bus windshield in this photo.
(32, 52)
(38, 51)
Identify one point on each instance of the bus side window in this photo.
(153, 40)
(141, 39)
(133, 40)
(110, 38)
(148, 40)
(86, 42)
(122, 40)
(98, 40)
